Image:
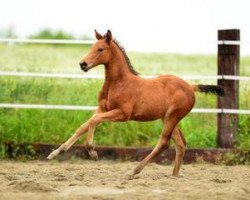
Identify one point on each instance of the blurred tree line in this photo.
(45, 33)
(8, 32)
(49, 34)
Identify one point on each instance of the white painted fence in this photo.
(45, 41)
(92, 76)
(95, 76)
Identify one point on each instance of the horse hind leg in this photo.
(162, 145)
(180, 146)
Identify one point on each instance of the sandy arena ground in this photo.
(91, 180)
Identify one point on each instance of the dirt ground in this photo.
(105, 180)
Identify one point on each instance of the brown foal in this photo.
(126, 96)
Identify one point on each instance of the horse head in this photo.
(99, 53)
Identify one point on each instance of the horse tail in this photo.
(210, 89)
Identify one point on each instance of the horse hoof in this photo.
(52, 155)
(175, 176)
(129, 175)
(93, 154)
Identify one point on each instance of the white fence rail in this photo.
(46, 106)
(63, 41)
(45, 41)
(97, 76)
(94, 76)
(91, 108)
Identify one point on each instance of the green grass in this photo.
(54, 126)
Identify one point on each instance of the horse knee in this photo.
(94, 120)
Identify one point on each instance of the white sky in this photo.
(184, 26)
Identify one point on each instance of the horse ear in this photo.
(108, 36)
(98, 35)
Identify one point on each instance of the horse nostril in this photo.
(83, 64)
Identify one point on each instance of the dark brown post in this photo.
(228, 64)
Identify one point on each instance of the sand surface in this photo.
(91, 180)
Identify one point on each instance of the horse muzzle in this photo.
(84, 66)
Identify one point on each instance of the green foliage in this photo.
(17, 151)
(55, 126)
(3, 151)
(237, 158)
(243, 136)
(49, 34)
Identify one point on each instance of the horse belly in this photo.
(145, 112)
(145, 117)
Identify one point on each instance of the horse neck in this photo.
(117, 67)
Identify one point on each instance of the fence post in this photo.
(228, 64)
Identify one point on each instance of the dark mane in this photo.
(131, 68)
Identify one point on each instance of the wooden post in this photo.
(228, 64)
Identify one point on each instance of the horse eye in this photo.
(100, 49)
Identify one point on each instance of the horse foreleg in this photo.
(180, 145)
(113, 115)
(162, 145)
(89, 143)
(65, 146)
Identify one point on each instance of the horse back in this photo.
(155, 97)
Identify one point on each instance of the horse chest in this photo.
(109, 101)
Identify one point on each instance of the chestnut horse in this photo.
(126, 96)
